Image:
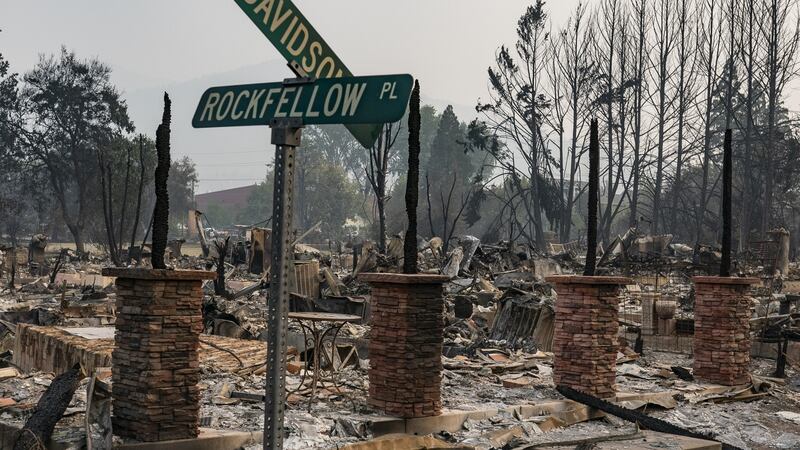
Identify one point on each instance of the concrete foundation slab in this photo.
(207, 440)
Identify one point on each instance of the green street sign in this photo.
(350, 100)
(294, 37)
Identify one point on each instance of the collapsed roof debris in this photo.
(497, 365)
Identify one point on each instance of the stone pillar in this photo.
(722, 311)
(586, 327)
(155, 363)
(405, 347)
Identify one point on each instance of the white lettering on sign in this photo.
(280, 18)
(284, 100)
(338, 100)
(310, 111)
(330, 109)
(211, 103)
(295, 48)
(227, 100)
(251, 108)
(237, 114)
(388, 88)
(352, 98)
(314, 51)
(288, 30)
(294, 112)
(268, 101)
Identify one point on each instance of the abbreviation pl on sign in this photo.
(389, 88)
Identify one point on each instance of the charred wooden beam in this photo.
(39, 427)
(644, 421)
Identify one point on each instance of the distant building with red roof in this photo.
(233, 199)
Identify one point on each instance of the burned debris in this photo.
(603, 256)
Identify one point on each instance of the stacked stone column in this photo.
(405, 347)
(722, 312)
(155, 361)
(585, 339)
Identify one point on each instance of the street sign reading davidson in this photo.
(294, 37)
(350, 100)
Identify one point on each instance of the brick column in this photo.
(155, 362)
(405, 346)
(586, 326)
(722, 313)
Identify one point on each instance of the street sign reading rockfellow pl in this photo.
(351, 100)
(294, 37)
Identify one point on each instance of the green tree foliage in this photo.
(75, 110)
(449, 180)
(12, 204)
(327, 195)
(180, 184)
(64, 131)
(9, 106)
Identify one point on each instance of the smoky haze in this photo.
(186, 46)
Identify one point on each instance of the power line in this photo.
(224, 152)
(242, 164)
(231, 179)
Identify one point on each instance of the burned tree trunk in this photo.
(412, 183)
(727, 181)
(57, 265)
(222, 252)
(124, 207)
(38, 429)
(594, 181)
(12, 282)
(161, 211)
(138, 197)
(108, 208)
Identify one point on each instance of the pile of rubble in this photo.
(497, 358)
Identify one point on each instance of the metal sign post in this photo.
(286, 138)
(287, 107)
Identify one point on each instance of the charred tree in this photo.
(124, 208)
(139, 195)
(106, 186)
(161, 210)
(727, 188)
(223, 247)
(12, 282)
(378, 175)
(39, 428)
(412, 183)
(594, 181)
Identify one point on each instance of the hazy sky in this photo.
(155, 45)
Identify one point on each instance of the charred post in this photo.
(727, 188)
(412, 183)
(223, 247)
(161, 211)
(594, 181)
